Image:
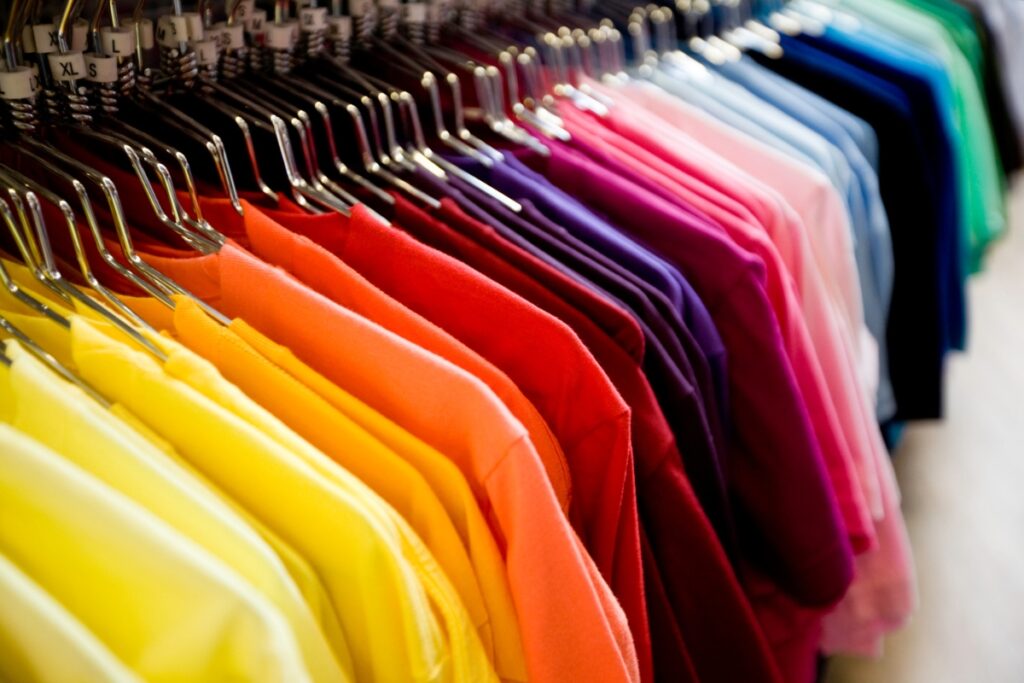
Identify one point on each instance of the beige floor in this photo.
(963, 498)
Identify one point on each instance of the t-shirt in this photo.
(380, 468)
(674, 560)
(34, 626)
(824, 373)
(547, 361)
(399, 613)
(918, 201)
(148, 585)
(122, 458)
(554, 582)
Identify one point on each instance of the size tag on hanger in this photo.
(117, 41)
(340, 28)
(361, 8)
(77, 35)
(45, 37)
(143, 32)
(196, 30)
(206, 51)
(256, 24)
(100, 69)
(171, 29)
(283, 36)
(313, 19)
(415, 12)
(18, 84)
(230, 37)
(69, 66)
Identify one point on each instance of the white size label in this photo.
(117, 41)
(313, 19)
(101, 69)
(206, 51)
(78, 35)
(340, 28)
(416, 12)
(196, 30)
(361, 8)
(171, 29)
(256, 24)
(69, 66)
(144, 33)
(45, 36)
(283, 36)
(17, 84)
(230, 37)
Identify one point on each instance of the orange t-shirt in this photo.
(331, 277)
(543, 356)
(573, 629)
(359, 452)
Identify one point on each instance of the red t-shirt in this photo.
(683, 552)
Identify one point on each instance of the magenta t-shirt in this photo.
(792, 525)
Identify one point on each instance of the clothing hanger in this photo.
(198, 222)
(510, 60)
(35, 148)
(381, 165)
(48, 360)
(178, 71)
(269, 88)
(17, 292)
(311, 196)
(366, 82)
(417, 140)
(101, 246)
(33, 191)
(322, 103)
(148, 278)
(80, 111)
(432, 59)
(21, 234)
(554, 40)
(487, 79)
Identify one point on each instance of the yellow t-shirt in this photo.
(35, 401)
(460, 658)
(165, 607)
(40, 641)
(469, 661)
(338, 525)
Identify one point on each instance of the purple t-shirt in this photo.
(789, 524)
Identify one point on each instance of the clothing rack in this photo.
(524, 340)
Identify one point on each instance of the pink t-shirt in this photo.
(858, 352)
(808, 191)
(884, 590)
(751, 237)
